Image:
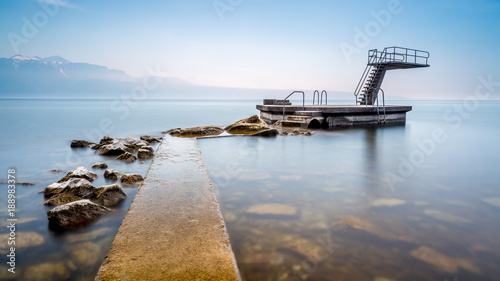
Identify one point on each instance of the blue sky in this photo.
(278, 44)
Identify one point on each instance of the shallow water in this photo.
(351, 224)
(35, 139)
(379, 203)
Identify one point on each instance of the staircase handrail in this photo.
(363, 77)
(303, 101)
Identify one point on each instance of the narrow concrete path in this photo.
(174, 229)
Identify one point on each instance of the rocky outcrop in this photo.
(99, 165)
(145, 153)
(74, 214)
(80, 143)
(77, 185)
(196, 131)
(106, 140)
(127, 157)
(111, 174)
(250, 125)
(151, 139)
(80, 172)
(131, 179)
(108, 195)
(114, 149)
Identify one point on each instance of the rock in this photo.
(367, 226)
(88, 236)
(99, 165)
(445, 217)
(127, 157)
(151, 139)
(147, 148)
(387, 202)
(443, 262)
(266, 133)
(47, 271)
(24, 240)
(61, 199)
(80, 172)
(80, 143)
(273, 210)
(196, 131)
(108, 195)
(133, 142)
(495, 201)
(145, 153)
(95, 146)
(111, 174)
(74, 214)
(106, 140)
(248, 126)
(114, 149)
(130, 179)
(84, 254)
(306, 249)
(78, 186)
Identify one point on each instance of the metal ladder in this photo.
(320, 101)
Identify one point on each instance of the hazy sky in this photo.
(277, 44)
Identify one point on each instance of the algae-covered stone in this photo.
(127, 157)
(47, 271)
(112, 174)
(99, 165)
(131, 179)
(145, 153)
(249, 125)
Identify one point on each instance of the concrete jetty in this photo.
(174, 229)
(329, 116)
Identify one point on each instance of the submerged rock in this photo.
(112, 174)
(74, 214)
(443, 262)
(99, 165)
(77, 186)
(248, 126)
(387, 202)
(24, 240)
(369, 227)
(80, 172)
(273, 210)
(84, 254)
(127, 157)
(130, 179)
(144, 153)
(445, 217)
(196, 131)
(306, 249)
(108, 195)
(47, 271)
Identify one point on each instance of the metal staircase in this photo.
(379, 62)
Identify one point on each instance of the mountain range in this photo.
(56, 77)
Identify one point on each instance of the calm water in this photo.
(385, 203)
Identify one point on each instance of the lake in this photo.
(419, 201)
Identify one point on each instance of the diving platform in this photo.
(366, 109)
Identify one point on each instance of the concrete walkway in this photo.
(174, 229)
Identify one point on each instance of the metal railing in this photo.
(320, 100)
(303, 101)
(399, 55)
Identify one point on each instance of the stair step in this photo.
(297, 118)
(288, 123)
(308, 113)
